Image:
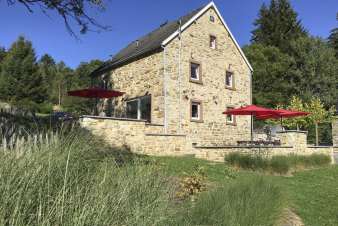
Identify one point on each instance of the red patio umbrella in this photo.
(252, 110)
(282, 113)
(95, 92)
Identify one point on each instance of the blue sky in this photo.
(130, 19)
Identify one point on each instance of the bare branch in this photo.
(69, 10)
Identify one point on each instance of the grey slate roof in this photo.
(144, 45)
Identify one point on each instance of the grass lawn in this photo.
(73, 179)
(312, 194)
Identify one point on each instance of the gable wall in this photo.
(138, 78)
(213, 94)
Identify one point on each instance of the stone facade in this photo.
(211, 92)
(165, 76)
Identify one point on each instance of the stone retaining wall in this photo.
(144, 138)
(218, 153)
(136, 135)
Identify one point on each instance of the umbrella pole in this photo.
(251, 127)
(281, 122)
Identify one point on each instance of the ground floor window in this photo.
(196, 110)
(139, 108)
(230, 119)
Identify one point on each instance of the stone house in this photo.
(178, 79)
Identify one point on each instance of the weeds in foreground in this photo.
(70, 183)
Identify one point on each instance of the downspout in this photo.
(165, 121)
(251, 102)
(251, 97)
(179, 79)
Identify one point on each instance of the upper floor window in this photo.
(230, 119)
(139, 108)
(212, 18)
(196, 110)
(195, 72)
(229, 80)
(212, 42)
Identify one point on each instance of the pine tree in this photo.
(271, 76)
(20, 82)
(315, 71)
(333, 38)
(2, 56)
(47, 69)
(277, 25)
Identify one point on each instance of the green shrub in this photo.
(243, 203)
(247, 161)
(277, 164)
(280, 164)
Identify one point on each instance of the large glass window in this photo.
(132, 109)
(139, 108)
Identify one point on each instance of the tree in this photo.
(2, 56)
(20, 82)
(315, 72)
(81, 79)
(62, 83)
(71, 11)
(47, 69)
(333, 38)
(272, 83)
(277, 25)
(318, 114)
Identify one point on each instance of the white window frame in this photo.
(198, 104)
(138, 99)
(198, 74)
(233, 120)
(212, 41)
(231, 79)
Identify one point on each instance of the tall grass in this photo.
(243, 203)
(277, 164)
(71, 181)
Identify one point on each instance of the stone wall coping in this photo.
(235, 146)
(113, 118)
(153, 124)
(320, 146)
(292, 131)
(165, 135)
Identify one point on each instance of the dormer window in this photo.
(212, 42)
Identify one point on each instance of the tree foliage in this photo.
(277, 25)
(333, 38)
(71, 11)
(81, 79)
(315, 72)
(20, 81)
(318, 115)
(271, 76)
(290, 63)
